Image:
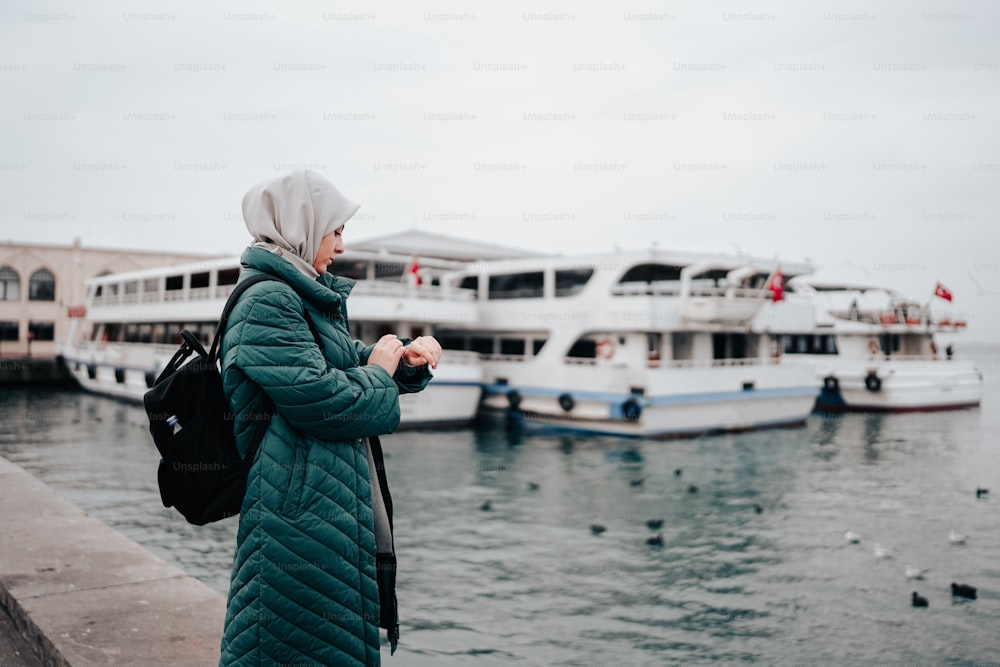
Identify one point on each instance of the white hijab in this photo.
(289, 215)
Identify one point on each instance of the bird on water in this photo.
(963, 591)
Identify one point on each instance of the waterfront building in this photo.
(42, 289)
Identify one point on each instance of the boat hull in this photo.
(676, 402)
(901, 386)
(451, 398)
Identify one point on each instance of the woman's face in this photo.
(331, 246)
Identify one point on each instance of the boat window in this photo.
(452, 342)
(356, 270)
(132, 287)
(469, 282)
(585, 348)
(9, 330)
(199, 280)
(682, 344)
(811, 344)
(512, 346)
(151, 286)
(517, 285)
(571, 281)
(112, 332)
(537, 345)
(388, 270)
(648, 273)
(729, 346)
(159, 333)
(889, 343)
(175, 283)
(228, 276)
(481, 345)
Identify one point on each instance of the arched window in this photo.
(42, 286)
(10, 284)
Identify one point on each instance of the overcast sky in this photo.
(837, 132)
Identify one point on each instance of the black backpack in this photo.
(201, 473)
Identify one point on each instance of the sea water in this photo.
(498, 564)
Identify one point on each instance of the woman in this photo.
(317, 513)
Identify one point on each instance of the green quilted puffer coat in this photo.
(303, 588)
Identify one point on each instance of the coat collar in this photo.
(326, 292)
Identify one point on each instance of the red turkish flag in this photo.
(415, 271)
(942, 291)
(777, 286)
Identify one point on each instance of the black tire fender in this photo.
(631, 410)
(514, 399)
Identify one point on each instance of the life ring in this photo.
(631, 410)
(873, 346)
(514, 399)
(605, 348)
(873, 383)
(566, 402)
(831, 384)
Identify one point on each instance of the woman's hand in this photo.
(387, 353)
(423, 350)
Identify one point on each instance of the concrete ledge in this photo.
(85, 594)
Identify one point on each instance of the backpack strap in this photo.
(234, 296)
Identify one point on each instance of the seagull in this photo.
(963, 591)
(486, 506)
(533, 486)
(956, 538)
(913, 572)
(654, 524)
(692, 489)
(758, 508)
(852, 537)
(881, 552)
(919, 600)
(597, 528)
(677, 472)
(637, 482)
(655, 540)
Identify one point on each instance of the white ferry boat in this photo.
(135, 320)
(645, 343)
(872, 349)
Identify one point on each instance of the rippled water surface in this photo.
(527, 582)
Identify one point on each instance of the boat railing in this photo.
(365, 287)
(510, 358)
(882, 317)
(673, 289)
(676, 363)
(460, 357)
(711, 363)
(905, 357)
(397, 289)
